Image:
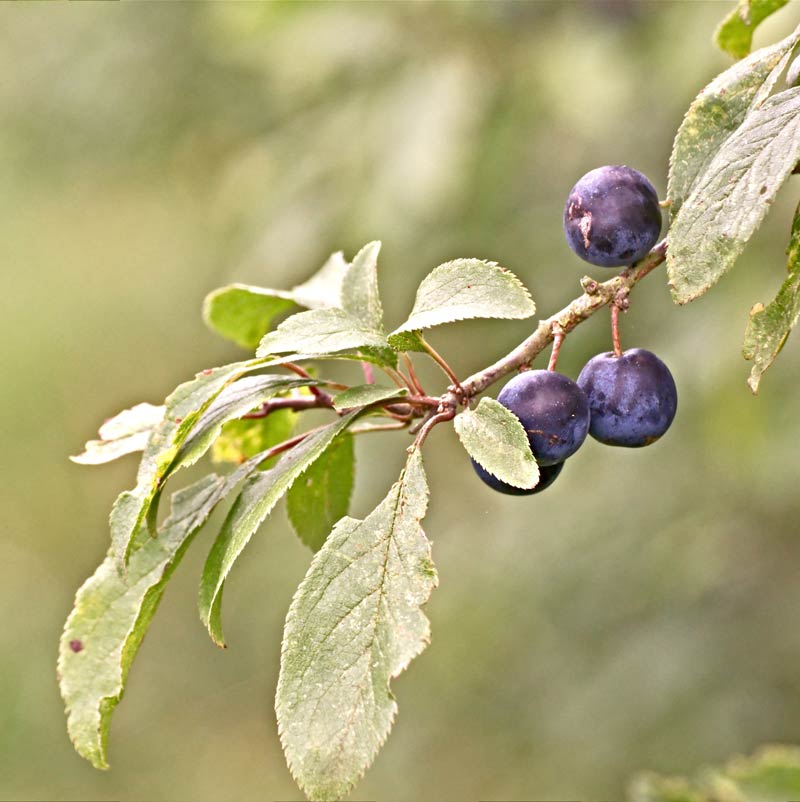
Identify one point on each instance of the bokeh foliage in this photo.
(640, 615)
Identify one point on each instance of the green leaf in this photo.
(769, 326)
(112, 613)
(362, 395)
(184, 407)
(717, 112)
(123, 434)
(324, 288)
(320, 331)
(771, 775)
(355, 623)
(244, 314)
(259, 495)
(321, 496)
(734, 195)
(494, 437)
(360, 297)
(377, 356)
(466, 288)
(735, 33)
(234, 401)
(240, 440)
(407, 341)
(358, 324)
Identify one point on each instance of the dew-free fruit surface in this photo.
(553, 410)
(612, 217)
(633, 397)
(547, 475)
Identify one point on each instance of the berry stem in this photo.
(558, 339)
(615, 329)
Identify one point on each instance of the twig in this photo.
(315, 391)
(412, 375)
(440, 361)
(286, 444)
(567, 319)
(399, 379)
(295, 402)
(448, 413)
(558, 339)
(596, 295)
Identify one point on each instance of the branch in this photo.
(433, 411)
(595, 296)
(295, 402)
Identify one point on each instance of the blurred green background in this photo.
(640, 615)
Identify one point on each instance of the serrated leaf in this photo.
(355, 623)
(360, 297)
(769, 326)
(240, 440)
(261, 492)
(323, 289)
(112, 613)
(362, 395)
(467, 288)
(185, 405)
(123, 434)
(772, 774)
(735, 33)
(376, 357)
(234, 401)
(321, 496)
(717, 112)
(243, 313)
(320, 331)
(494, 437)
(732, 198)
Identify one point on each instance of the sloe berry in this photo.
(632, 397)
(612, 216)
(547, 475)
(553, 410)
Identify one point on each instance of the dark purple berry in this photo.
(553, 410)
(612, 216)
(633, 397)
(547, 475)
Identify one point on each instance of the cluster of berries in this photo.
(612, 218)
